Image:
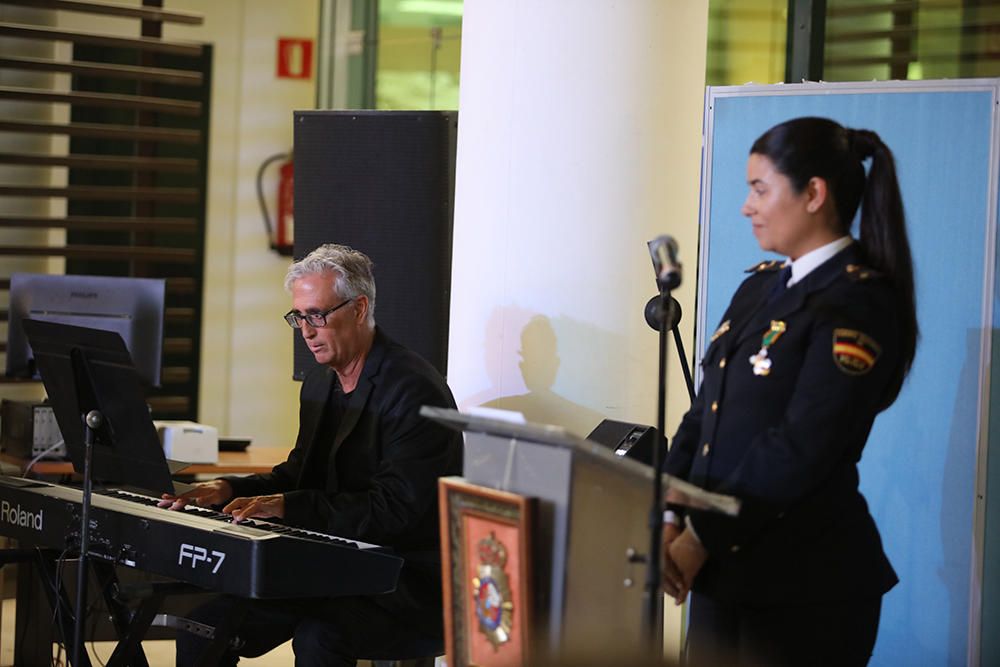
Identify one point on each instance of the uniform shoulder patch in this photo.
(860, 273)
(723, 328)
(768, 265)
(854, 353)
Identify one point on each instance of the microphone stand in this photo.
(662, 313)
(688, 381)
(92, 421)
(654, 317)
(663, 252)
(653, 597)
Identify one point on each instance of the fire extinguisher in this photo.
(280, 234)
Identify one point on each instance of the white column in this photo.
(579, 140)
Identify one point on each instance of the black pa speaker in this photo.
(632, 440)
(383, 183)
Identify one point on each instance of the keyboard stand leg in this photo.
(130, 628)
(48, 568)
(8, 555)
(33, 631)
(129, 651)
(225, 632)
(25, 652)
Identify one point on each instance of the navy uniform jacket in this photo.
(787, 438)
(385, 490)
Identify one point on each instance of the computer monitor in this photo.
(131, 307)
(90, 369)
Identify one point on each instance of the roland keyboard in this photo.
(256, 559)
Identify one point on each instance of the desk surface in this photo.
(254, 459)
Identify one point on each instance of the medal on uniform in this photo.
(761, 362)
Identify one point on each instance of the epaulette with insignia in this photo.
(859, 272)
(771, 265)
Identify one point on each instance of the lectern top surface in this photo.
(557, 436)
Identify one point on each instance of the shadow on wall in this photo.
(957, 476)
(538, 364)
(990, 643)
(921, 503)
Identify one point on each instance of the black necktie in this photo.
(781, 284)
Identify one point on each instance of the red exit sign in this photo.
(295, 58)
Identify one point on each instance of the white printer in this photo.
(188, 441)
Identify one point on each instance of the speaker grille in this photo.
(382, 182)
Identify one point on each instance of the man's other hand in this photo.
(261, 507)
(204, 494)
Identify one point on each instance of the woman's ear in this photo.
(817, 194)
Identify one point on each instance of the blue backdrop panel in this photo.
(919, 470)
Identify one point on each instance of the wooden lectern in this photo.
(568, 518)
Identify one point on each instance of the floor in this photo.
(159, 653)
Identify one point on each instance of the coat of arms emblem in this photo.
(491, 591)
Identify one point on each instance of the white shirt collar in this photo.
(808, 262)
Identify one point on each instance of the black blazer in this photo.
(380, 481)
(787, 438)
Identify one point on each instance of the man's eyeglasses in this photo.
(295, 318)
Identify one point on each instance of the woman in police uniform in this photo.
(807, 354)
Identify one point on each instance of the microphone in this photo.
(653, 313)
(663, 251)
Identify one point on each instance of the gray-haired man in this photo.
(365, 466)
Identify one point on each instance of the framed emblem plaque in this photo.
(487, 572)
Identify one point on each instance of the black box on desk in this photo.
(632, 440)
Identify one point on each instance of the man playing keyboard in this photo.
(365, 467)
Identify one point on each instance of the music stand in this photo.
(97, 400)
(127, 451)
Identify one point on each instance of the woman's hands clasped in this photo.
(683, 558)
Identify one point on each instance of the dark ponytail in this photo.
(804, 148)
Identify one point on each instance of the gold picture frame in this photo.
(487, 570)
